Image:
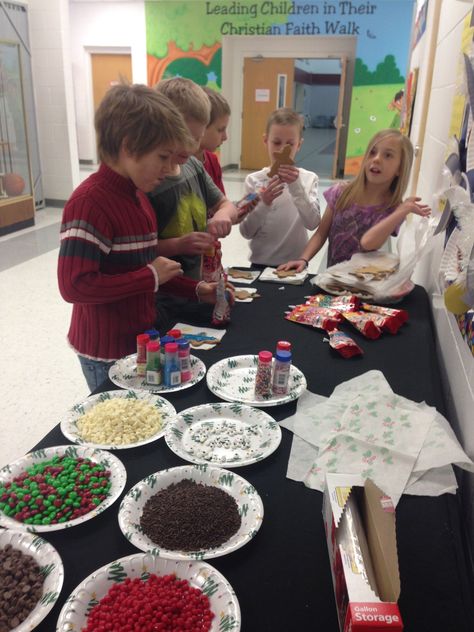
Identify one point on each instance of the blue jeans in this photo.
(95, 371)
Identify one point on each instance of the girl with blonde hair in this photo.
(361, 215)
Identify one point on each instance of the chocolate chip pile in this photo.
(190, 516)
(21, 586)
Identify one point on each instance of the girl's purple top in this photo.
(349, 225)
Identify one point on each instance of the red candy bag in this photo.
(221, 313)
(401, 315)
(343, 344)
(364, 323)
(212, 263)
(319, 317)
(340, 303)
(246, 204)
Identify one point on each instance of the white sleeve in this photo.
(304, 192)
(252, 223)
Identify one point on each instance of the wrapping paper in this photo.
(366, 429)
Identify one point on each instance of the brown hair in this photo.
(188, 97)
(285, 116)
(355, 189)
(219, 104)
(142, 118)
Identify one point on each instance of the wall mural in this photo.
(184, 38)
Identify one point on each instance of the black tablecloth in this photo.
(282, 577)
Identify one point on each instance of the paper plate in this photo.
(50, 565)
(118, 477)
(124, 374)
(233, 379)
(69, 423)
(222, 599)
(227, 435)
(246, 496)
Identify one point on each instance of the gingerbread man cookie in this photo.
(281, 158)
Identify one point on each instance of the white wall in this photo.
(457, 360)
(51, 70)
(103, 27)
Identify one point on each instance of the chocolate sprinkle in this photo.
(21, 586)
(190, 516)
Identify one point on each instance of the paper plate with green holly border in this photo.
(139, 418)
(233, 380)
(38, 484)
(223, 602)
(249, 507)
(227, 435)
(124, 374)
(51, 568)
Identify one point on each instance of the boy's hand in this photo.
(288, 173)
(219, 225)
(207, 292)
(412, 205)
(167, 269)
(299, 265)
(273, 190)
(196, 243)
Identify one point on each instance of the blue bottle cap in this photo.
(283, 356)
(153, 333)
(166, 339)
(183, 343)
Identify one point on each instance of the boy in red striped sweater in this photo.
(108, 265)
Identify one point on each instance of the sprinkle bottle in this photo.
(281, 372)
(153, 372)
(283, 345)
(163, 342)
(174, 333)
(263, 379)
(184, 357)
(154, 334)
(142, 340)
(172, 372)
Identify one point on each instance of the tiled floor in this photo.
(41, 377)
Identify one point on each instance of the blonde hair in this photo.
(188, 97)
(355, 189)
(142, 118)
(285, 116)
(219, 105)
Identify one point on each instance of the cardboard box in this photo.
(360, 531)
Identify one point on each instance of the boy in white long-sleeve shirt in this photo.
(289, 201)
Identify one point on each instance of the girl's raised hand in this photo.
(299, 265)
(412, 205)
(288, 173)
(273, 190)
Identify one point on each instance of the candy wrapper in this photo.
(212, 263)
(320, 317)
(221, 313)
(246, 204)
(401, 315)
(339, 303)
(364, 323)
(343, 344)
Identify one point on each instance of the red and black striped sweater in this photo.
(108, 239)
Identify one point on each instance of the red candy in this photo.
(364, 323)
(160, 603)
(320, 317)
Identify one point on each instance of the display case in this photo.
(17, 207)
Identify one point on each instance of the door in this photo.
(341, 128)
(267, 85)
(107, 70)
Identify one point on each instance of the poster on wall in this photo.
(184, 38)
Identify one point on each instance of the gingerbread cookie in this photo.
(239, 274)
(244, 294)
(282, 274)
(281, 158)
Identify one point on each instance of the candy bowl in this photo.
(50, 568)
(147, 567)
(59, 487)
(238, 521)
